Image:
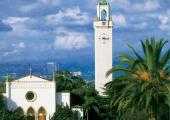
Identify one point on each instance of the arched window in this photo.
(103, 15)
(42, 113)
(30, 114)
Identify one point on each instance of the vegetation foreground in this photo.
(140, 92)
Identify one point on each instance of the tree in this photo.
(2, 87)
(86, 90)
(90, 105)
(67, 81)
(64, 113)
(144, 84)
(63, 81)
(89, 102)
(6, 114)
(2, 103)
(10, 115)
(105, 112)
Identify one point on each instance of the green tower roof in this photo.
(103, 2)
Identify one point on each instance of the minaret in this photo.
(103, 45)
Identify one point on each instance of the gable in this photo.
(31, 79)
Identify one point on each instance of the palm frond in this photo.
(118, 68)
(135, 52)
(165, 58)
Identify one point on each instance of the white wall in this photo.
(63, 98)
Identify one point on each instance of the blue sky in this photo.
(63, 29)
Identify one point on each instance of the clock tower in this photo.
(103, 45)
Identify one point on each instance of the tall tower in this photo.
(103, 45)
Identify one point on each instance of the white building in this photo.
(103, 45)
(77, 73)
(35, 97)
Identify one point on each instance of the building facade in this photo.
(35, 97)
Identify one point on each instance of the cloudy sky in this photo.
(63, 29)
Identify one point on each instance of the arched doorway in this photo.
(42, 113)
(30, 114)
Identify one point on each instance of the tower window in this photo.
(103, 15)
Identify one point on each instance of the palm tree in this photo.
(90, 105)
(144, 84)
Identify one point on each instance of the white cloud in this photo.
(15, 20)
(17, 49)
(72, 15)
(146, 6)
(9, 53)
(39, 4)
(132, 6)
(119, 20)
(20, 26)
(141, 25)
(29, 8)
(19, 45)
(164, 22)
(163, 19)
(51, 2)
(71, 40)
(120, 3)
(164, 27)
(17, 23)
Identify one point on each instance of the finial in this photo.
(30, 72)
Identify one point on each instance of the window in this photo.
(30, 114)
(30, 96)
(103, 15)
(42, 113)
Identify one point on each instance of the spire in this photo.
(103, 2)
